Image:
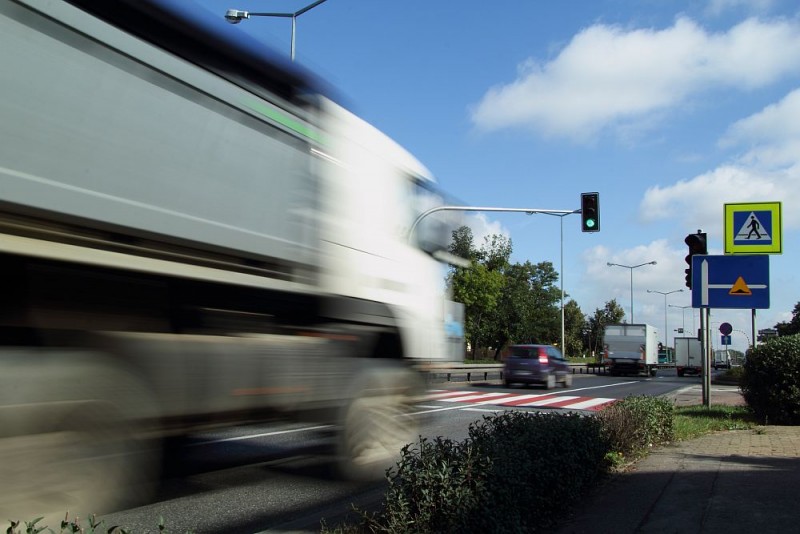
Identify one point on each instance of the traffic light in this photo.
(697, 245)
(590, 212)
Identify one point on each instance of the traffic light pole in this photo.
(529, 211)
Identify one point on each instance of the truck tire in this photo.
(84, 462)
(375, 424)
(680, 372)
(653, 371)
(66, 441)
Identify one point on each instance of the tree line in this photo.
(507, 303)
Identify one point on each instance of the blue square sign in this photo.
(739, 282)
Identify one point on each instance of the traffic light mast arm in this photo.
(529, 211)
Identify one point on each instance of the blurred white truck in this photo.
(630, 349)
(688, 356)
(192, 234)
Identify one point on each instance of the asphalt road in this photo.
(280, 477)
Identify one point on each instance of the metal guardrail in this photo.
(486, 372)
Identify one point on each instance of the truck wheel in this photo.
(375, 424)
(82, 462)
(680, 373)
(653, 371)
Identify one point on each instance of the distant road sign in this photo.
(725, 340)
(753, 228)
(725, 329)
(738, 282)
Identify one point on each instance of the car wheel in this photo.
(550, 382)
(567, 382)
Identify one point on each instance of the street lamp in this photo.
(665, 293)
(631, 267)
(683, 315)
(561, 274)
(235, 16)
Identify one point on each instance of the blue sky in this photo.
(668, 109)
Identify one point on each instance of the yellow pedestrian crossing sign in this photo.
(753, 228)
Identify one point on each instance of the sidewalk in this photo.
(737, 481)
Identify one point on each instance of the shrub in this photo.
(437, 486)
(514, 473)
(771, 381)
(539, 463)
(634, 424)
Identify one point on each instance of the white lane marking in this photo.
(474, 396)
(552, 400)
(264, 435)
(509, 399)
(589, 403)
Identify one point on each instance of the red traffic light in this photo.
(698, 244)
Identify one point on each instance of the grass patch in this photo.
(693, 421)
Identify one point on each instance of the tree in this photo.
(527, 311)
(575, 327)
(793, 326)
(480, 285)
(611, 313)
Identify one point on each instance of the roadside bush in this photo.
(514, 473)
(771, 381)
(634, 424)
(437, 486)
(538, 463)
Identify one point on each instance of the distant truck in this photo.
(630, 349)
(722, 360)
(688, 356)
(193, 233)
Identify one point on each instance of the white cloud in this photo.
(768, 170)
(610, 77)
(482, 227)
(773, 134)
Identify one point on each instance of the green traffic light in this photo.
(589, 223)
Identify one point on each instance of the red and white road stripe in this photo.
(548, 400)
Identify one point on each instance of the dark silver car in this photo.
(536, 364)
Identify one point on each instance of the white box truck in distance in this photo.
(630, 349)
(688, 356)
(193, 234)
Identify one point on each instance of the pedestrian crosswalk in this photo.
(544, 400)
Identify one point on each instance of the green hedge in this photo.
(771, 381)
(635, 424)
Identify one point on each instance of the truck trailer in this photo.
(688, 356)
(194, 233)
(630, 349)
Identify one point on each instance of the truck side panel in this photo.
(179, 157)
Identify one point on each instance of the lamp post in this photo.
(665, 293)
(683, 315)
(561, 274)
(631, 267)
(235, 16)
